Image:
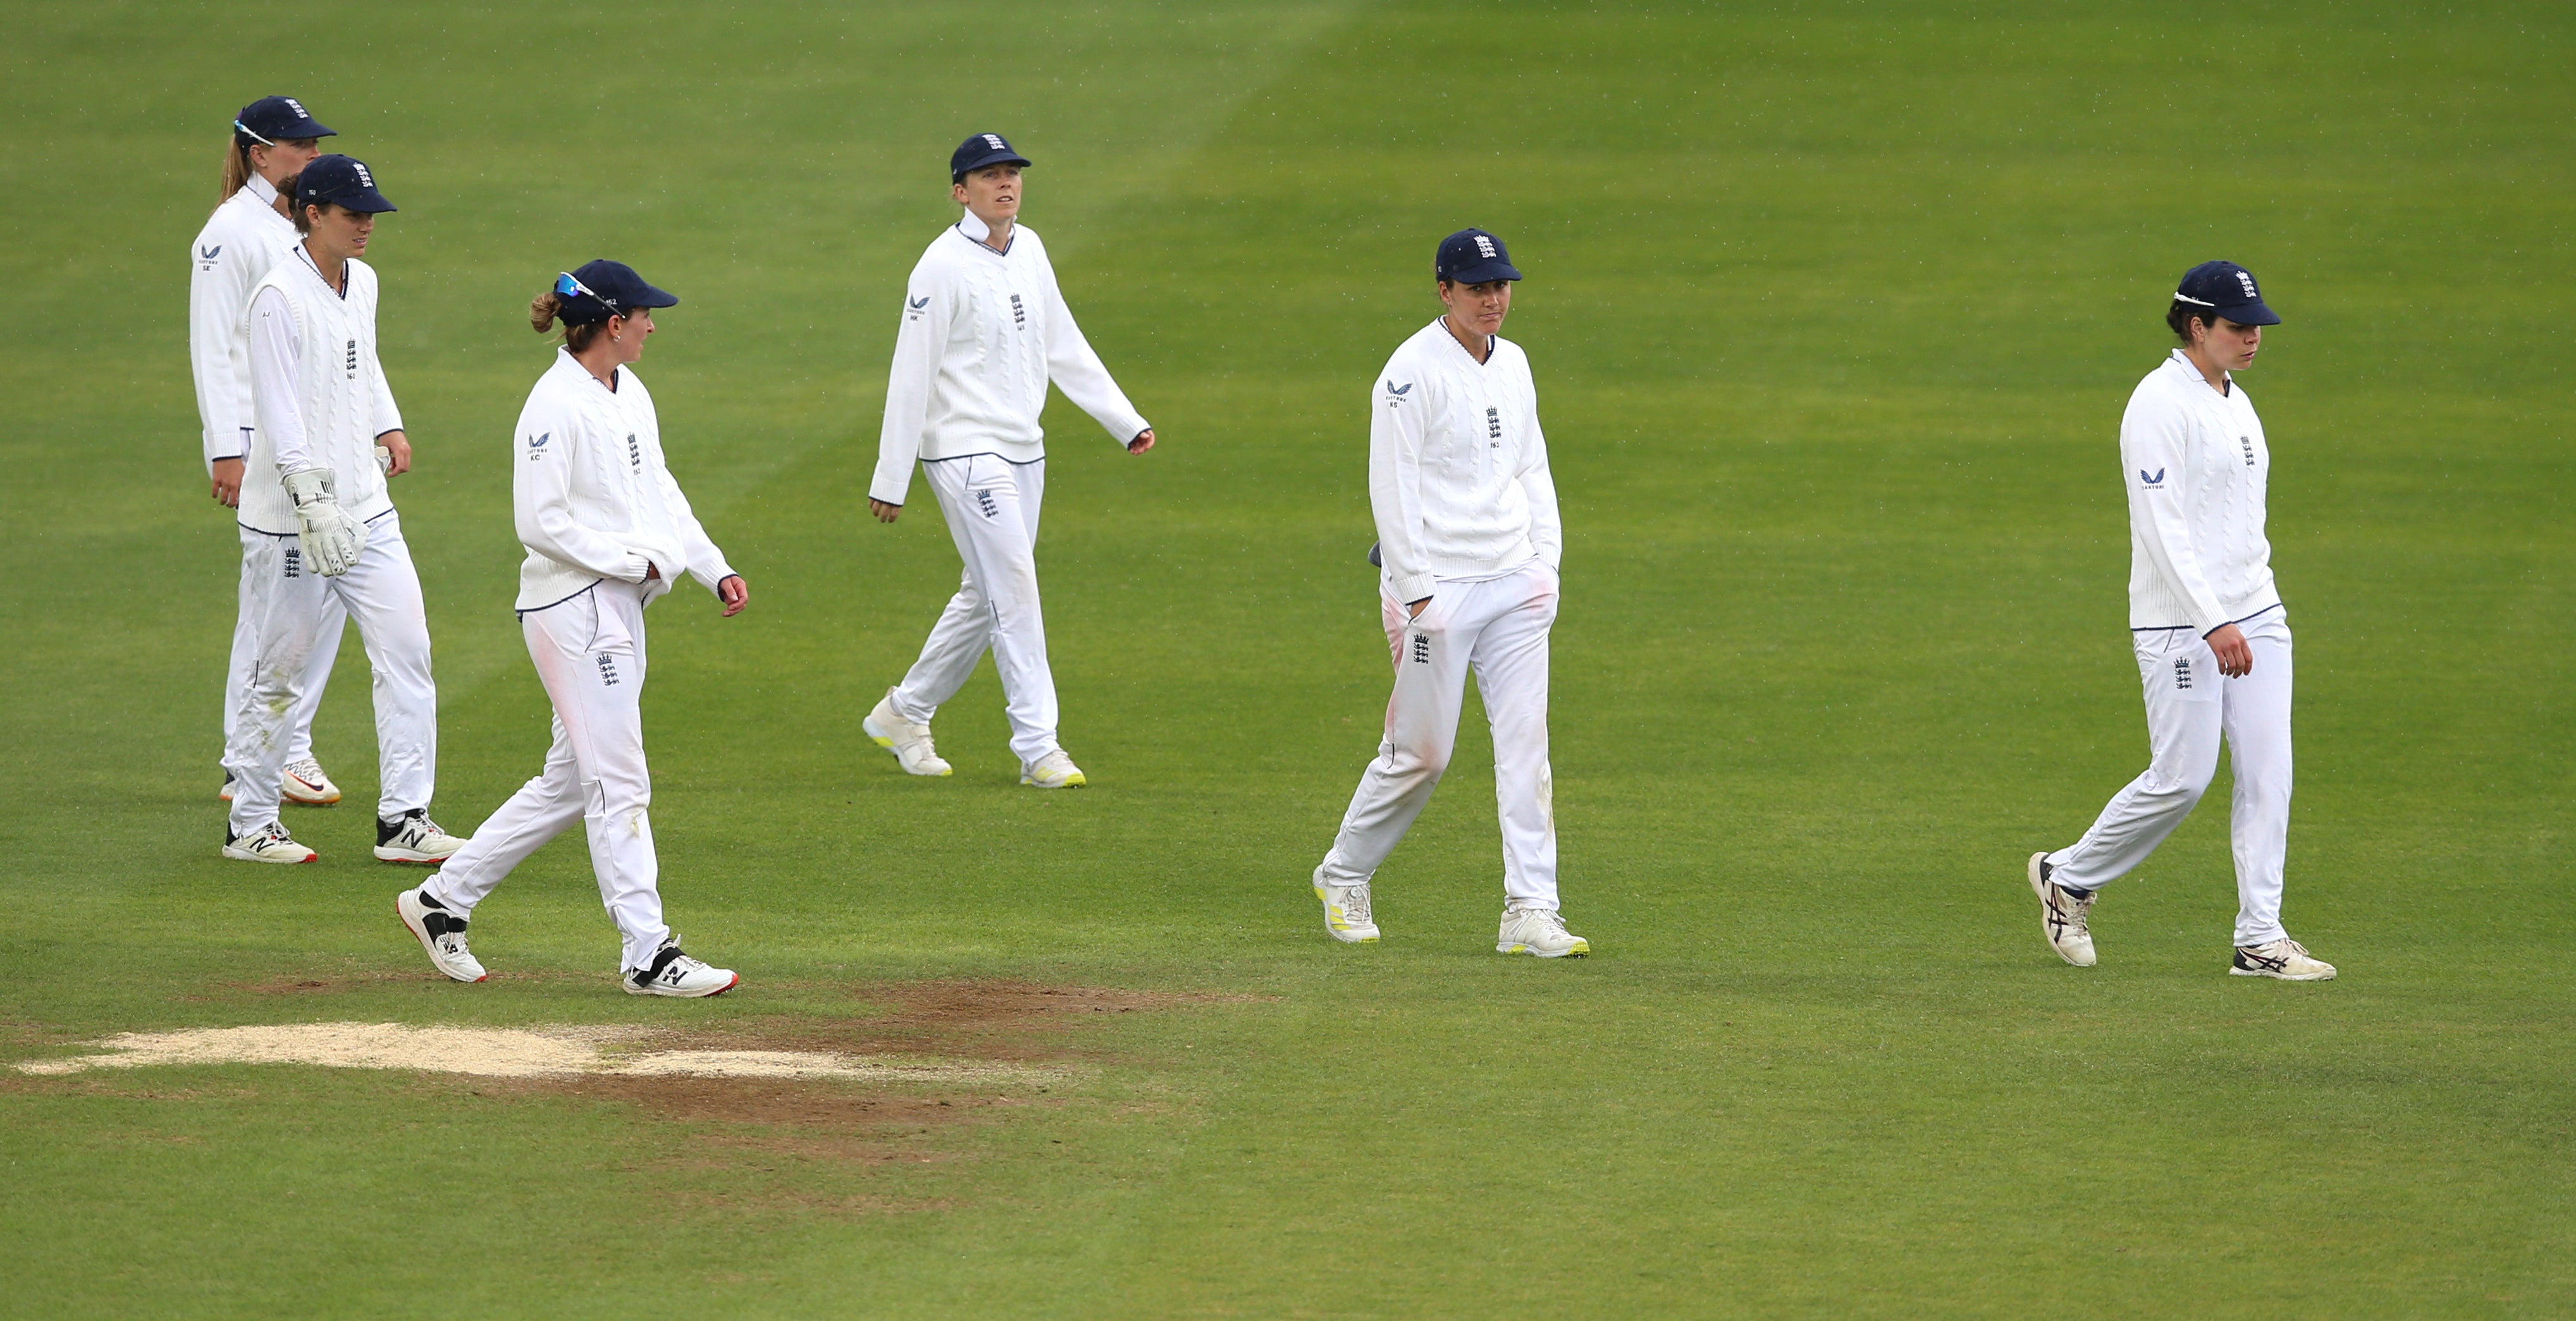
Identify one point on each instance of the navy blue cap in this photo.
(274, 119)
(1472, 256)
(603, 289)
(342, 181)
(2227, 290)
(979, 151)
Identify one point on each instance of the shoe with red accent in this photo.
(307, 786)
(269, 843)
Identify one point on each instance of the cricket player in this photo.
(984, 330)
(2211, 635)
(1469, 545)
(273, 138)
(607, 532)
(318, 524)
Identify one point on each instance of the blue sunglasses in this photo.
(568, 287)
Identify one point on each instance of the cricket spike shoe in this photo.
(2285, 959)
(226, 793)
(674, 973)
(414, 838)
(442, 932)
(2063, 913)
(307, 786)
(910, 743)
(1539, 931)
(1053, 771)
(1346, 911)
(269, 843)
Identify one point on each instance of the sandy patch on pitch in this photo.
(548, 1052)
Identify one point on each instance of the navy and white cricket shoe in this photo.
(2063, 913)
(2284, 959)
(675, 973)
(269, 843)
(441, 931)
(414, 838)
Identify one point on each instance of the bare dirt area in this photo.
(983, 1019)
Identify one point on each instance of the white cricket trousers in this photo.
(2191, 707)
(1498, 626)
(317, 672)
(992, 508)
(589, 652)
(286, 605)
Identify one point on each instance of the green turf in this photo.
(1833, 309)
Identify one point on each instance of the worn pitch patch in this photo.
(510, 1053)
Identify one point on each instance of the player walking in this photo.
(248, 235)
(319, 526)
(607, 531)
(1470, 545)
(984, 329)
(2212, 638)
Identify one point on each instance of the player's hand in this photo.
(1144, 441)
(885, 513)
(1418, 607)
(735, 593)
(397, 445)
(2235, 658)
(227, 483)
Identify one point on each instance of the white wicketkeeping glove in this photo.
(331, 538)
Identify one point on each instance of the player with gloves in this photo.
(273, 138)
(318, 524)
(984, 330)
(2211, 635)
(1469, 544)
(607, 532)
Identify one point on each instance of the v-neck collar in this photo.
(1452, 336)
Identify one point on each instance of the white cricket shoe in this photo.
(1053, 771)
(2063, 913)
(307, 786)
(675, 973)
(909, 742)
(269, 843)
(414, 838)
(226, 793)
(2285, 959)
(1539, 931)
(1346, 911)
(441, 932)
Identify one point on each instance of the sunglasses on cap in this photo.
(568, 287)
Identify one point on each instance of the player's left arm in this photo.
(1547, 531)
(389, 423)
(1078, 371)
(706, 563)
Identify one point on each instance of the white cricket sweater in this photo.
(2195, 464)
(593, 497)
(243, 241)
(982, 334)
(1458, 472)
(317, 391)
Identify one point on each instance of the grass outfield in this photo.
(1833, 311)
